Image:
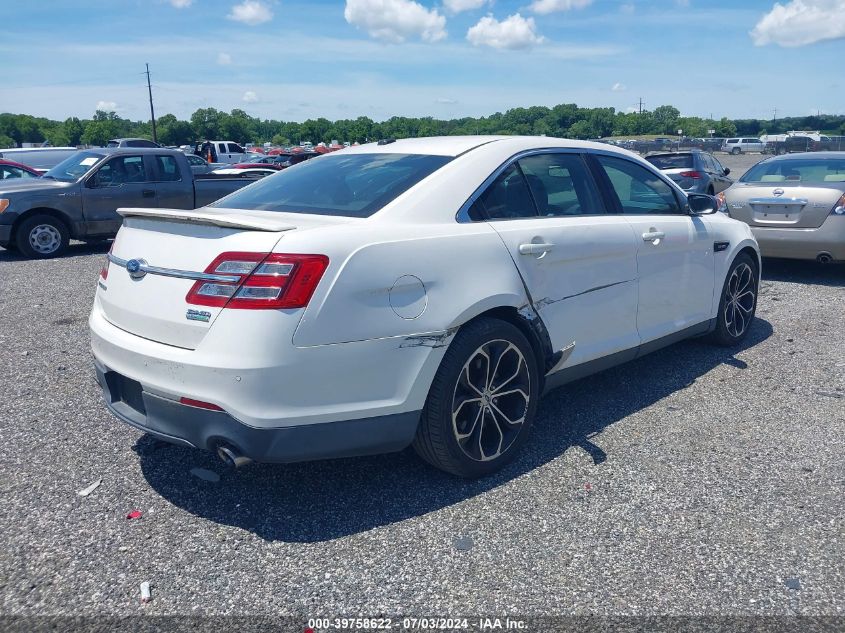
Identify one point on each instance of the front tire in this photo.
(482, 401)
(42, 236)
(738, 303)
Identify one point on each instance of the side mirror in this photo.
(702, 204)
(727, 170)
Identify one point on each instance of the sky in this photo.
(299, 59)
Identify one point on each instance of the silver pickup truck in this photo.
(79, 197)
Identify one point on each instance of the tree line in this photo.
(564, 120)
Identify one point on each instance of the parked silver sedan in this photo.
(795, 205)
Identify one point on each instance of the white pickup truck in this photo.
(221, 152)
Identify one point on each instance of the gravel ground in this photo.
(694, 481)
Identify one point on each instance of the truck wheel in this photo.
(482, 401)
(736, 151)
(739, 302)
(42, 236)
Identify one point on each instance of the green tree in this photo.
(6, 142)
(73, 130)
(172, 131)
(666, 119)
(725, 127)
(206, 124)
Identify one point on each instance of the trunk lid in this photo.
(782, 204)
(684, 182)
(154, 305)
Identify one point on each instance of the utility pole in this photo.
(152, 111)
(641, 105)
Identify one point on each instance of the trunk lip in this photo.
(246, 221)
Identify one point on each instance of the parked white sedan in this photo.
(421, 291)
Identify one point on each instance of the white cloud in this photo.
(617, 87)
(627, 9)
(224, 59)
(181, 4)
(251, 12)
(554, 6)
(107, 106)
(514, 32)
(395, 20)
(801, 22)
(456, 6)
(250, 97)
(445, 101)
(682, 3)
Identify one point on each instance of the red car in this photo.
(10, 169)
(267, 165)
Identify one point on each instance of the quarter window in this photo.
(639, 190)
(560, 185)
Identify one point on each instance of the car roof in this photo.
(457, 145)
(133, 150)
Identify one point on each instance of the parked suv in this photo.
(132, 142)
(742, 145)
(693, 170)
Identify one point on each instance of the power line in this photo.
(152, 111)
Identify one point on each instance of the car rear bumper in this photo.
(803, 243)
(200, 428)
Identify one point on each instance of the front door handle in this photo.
(535, 249)
(148, 193)
(653, 236)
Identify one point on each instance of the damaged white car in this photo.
(421, 291)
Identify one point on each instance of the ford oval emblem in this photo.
(777, 192)
(133, 267)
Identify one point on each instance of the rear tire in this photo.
(736, 151)
(42, 236)
(738, 303)
(482, 401)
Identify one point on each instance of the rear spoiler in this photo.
(255, 221)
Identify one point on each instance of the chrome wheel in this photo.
(740, 295)
(490, 400)
(45, 239)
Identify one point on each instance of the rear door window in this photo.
(168, 169)
(507, 198)
(561, 185)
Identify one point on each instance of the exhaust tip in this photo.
(231, 457)
(824, 258)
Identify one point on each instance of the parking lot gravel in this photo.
(694, 481)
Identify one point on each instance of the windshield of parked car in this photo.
(73, 167)
(797, 170)
(671, 161)
(352, 185)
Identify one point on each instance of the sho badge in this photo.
(198, 315)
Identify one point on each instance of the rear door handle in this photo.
(653, 236)
(148, 193)
(535, 249)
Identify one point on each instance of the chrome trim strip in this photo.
(178, 274)
(779, 201)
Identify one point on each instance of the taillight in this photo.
(839, 207)
(104, 271)
(264, 281)
(691, 174)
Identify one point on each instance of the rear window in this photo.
(674, 161)
(355, 185)
(797, 170)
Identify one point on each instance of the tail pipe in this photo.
(232, 456)
(824, 258)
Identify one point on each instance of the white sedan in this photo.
(421, 291)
